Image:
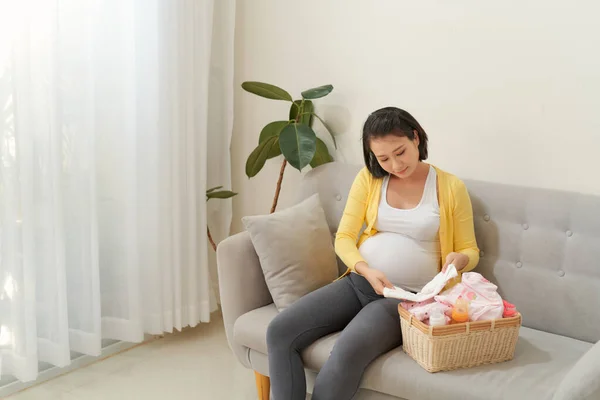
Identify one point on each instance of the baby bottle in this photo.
(437, 319)
(460, 311)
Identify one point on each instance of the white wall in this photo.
(508, 91)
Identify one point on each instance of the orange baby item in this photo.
(460, 311)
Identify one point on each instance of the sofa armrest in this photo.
(241, 284)
(582, 382)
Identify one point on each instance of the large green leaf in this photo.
(328, 130)
(256, 159)
(307, 109)
(221, 194)
(272, 129)
(298, 144)
(275, 149)
(266, 90)
(271, 132)
(213, 189)
(322, 155)
(317, 92)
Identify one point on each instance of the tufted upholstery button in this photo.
(525, 226)
(338, 197)
(561, 273)
(569, 233)
(519, 264)
(481, 253)
(486, 218)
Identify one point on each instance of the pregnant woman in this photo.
(418, 220)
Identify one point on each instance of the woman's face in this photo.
(397, 155)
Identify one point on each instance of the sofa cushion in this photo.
(250, 329)
(583, 380)
(295, 250)
(545, 239)
(541, 361)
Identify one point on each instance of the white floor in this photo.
(194, 364)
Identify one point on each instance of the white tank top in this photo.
(407, 246)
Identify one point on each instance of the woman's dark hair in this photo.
(390, 121)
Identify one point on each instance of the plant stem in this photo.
(278, 189)
(300, 116)
(210, 239)
(284, 163)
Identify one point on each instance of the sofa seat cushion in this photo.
(541, 362)
(250, 329)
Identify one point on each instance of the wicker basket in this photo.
(450, 347)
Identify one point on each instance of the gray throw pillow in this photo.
(583, 380)
(295, 250)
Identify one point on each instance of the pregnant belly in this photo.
(407, 263)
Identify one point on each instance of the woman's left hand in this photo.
(459, 260)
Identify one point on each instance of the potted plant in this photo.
(293, 137)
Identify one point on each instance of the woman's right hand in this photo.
(376, 278)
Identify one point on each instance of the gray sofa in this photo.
(541, 247)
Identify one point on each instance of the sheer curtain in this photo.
(105, 110)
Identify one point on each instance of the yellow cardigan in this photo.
(457, 233)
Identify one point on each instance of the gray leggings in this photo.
(370, 324)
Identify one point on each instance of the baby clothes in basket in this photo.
(484, 301)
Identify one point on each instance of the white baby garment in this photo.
(434, 287)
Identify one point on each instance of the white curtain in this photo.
(111, 113)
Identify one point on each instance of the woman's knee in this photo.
(350, 353)
(375, 331)
(281, 331)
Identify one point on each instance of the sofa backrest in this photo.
(541, 247)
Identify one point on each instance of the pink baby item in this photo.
(484, 301)
(423, 310)
(509, 310)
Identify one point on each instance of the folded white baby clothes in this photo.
(428, 292)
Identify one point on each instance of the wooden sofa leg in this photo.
(263, 386)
